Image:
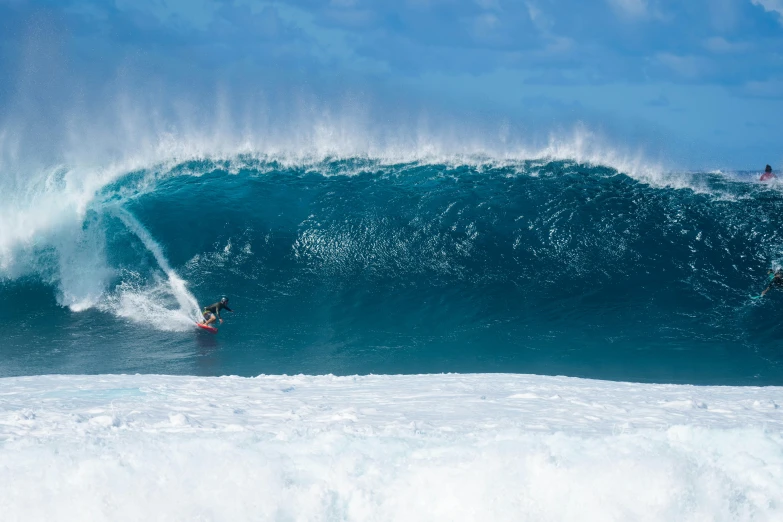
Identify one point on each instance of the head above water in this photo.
(224, 300)
(768, 169)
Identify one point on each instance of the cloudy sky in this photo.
(700, 80)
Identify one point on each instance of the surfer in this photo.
(775, 280)
(212, 312)
(768, 174)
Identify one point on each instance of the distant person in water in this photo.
(775, 280)
(768, 175)
(212, 312)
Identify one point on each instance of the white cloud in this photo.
(537, 16)
(772, 6)
(632, 8)
(485, 27)
(718, 44)
(198, 13)
(690, 67)
(765, 89)
(493, 5)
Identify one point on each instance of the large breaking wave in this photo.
(364, 264)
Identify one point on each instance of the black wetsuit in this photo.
(216, 308)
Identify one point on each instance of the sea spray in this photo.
(188, 305)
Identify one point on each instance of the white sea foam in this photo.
(428, 447)
(153, 303)
(188, 309)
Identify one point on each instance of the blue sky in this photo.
(700, 81)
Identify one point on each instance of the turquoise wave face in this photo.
(355, 266)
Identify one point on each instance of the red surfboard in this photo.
(206, 327)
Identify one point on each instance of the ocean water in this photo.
(422, 338)
(359, 265)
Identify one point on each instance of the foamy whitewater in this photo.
(419, 447)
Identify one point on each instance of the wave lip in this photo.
(388, 448)
(46, 200)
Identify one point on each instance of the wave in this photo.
(478, 256)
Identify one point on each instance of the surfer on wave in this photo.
(768, 174)
(212, 312)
